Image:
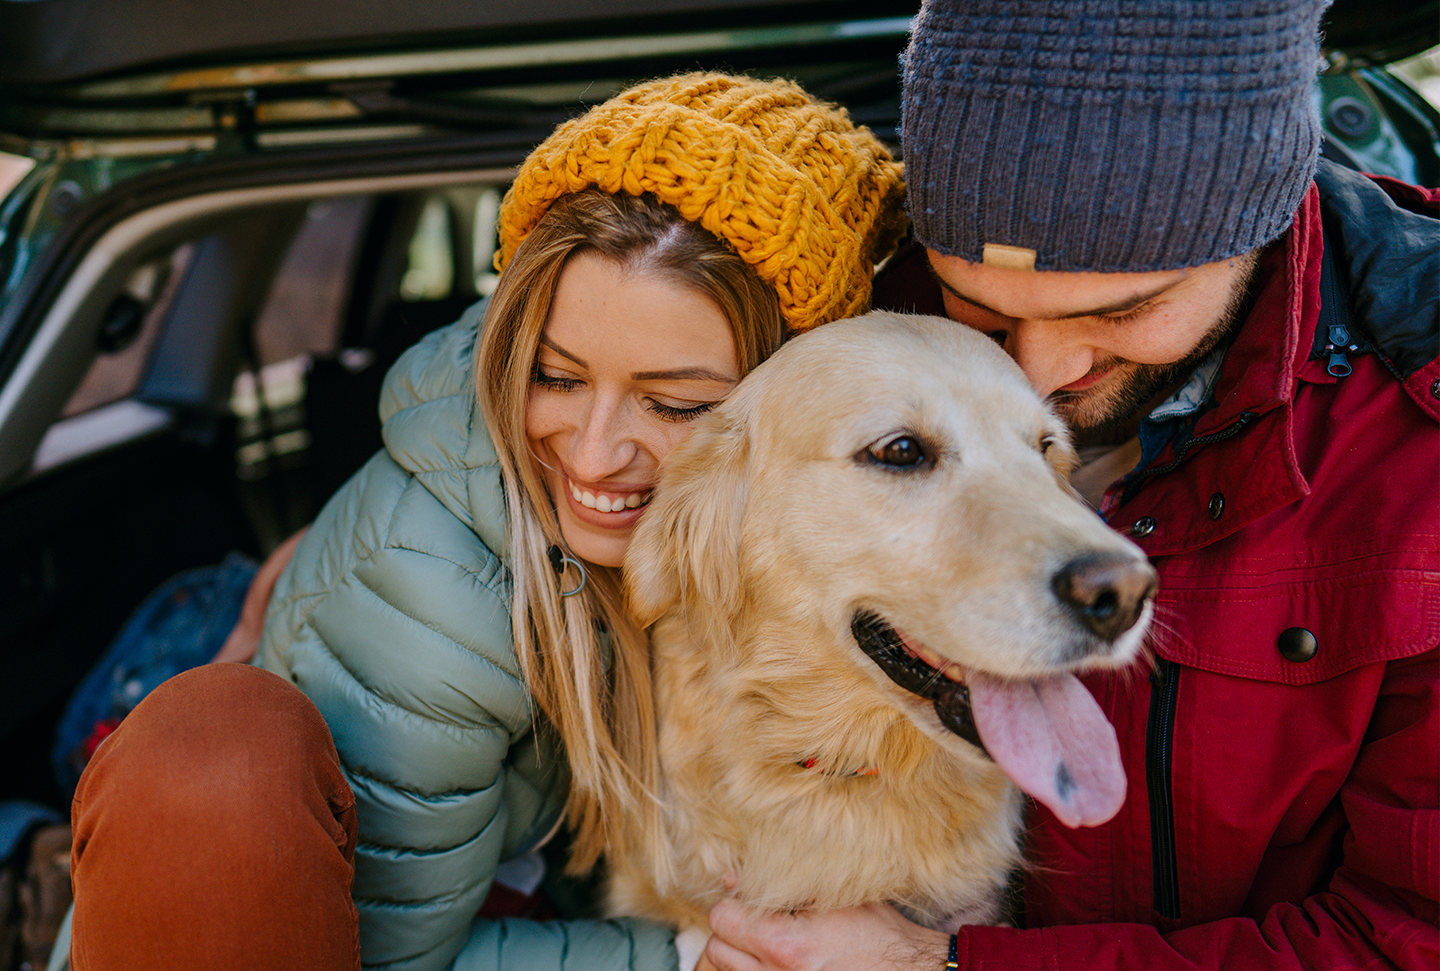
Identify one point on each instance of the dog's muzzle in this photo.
(883, 645)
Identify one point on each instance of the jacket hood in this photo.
(433, 428)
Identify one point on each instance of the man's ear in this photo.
(686, 546)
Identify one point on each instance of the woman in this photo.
(653, 251)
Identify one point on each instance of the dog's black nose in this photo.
(1106, 592)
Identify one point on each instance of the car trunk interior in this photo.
(257, 330)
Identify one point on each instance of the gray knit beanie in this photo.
(1109, 135)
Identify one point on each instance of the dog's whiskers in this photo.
(934, 679)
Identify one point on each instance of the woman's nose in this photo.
(604, 441)
(1052, 353)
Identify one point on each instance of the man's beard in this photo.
(1114, 413)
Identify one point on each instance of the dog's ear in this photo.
(687, 545)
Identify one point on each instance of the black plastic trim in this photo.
(1159, 753)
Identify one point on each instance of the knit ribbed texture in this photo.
(804, 196)
(1110, 135)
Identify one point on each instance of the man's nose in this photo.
(1052, 353)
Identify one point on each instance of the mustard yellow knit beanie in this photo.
(804, 196)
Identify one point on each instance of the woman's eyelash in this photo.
(552, 381)
(671, 413)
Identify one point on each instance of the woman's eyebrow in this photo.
(696, 373)
(685, 374)
(561, 351)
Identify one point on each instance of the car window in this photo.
(430, 272)
(365, 278)
(1423, 71)
(444, 239)
(303, 314)
(486, 240)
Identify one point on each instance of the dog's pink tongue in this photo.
(1053, 741)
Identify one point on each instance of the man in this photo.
(1126, 196)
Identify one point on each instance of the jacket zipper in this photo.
(1160, 729)
(1159, 749)
(1333, 317)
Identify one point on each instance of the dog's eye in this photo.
(902, 451)
(1044, 444)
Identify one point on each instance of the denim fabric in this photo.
(179, 626)
(18, 819)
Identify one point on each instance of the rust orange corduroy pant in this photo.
(215, 830)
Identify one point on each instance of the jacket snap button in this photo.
(1144, 526)
(1435, 389)
(1297, 644)
(1217, 505)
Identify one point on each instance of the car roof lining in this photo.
(59, 41)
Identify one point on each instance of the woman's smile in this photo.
(613, 506)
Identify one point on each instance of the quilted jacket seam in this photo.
(464, 653)
(428, 796)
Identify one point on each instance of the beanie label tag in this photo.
(1008, 257)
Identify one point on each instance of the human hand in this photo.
(244, 639)
(868, 938)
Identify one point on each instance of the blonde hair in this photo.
(604, 713)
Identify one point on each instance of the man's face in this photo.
(1105, 348)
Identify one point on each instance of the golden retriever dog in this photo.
(871, 588)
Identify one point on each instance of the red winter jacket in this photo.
(1282, 810)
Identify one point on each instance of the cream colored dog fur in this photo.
(892, 469)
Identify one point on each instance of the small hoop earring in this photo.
(558, 561)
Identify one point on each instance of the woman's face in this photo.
(627, 360)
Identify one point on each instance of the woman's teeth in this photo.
(604, 503)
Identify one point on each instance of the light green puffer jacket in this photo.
(394, 618)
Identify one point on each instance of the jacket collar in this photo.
(1251, 466)
(1262, 366)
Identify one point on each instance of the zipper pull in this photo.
(1340, 342)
